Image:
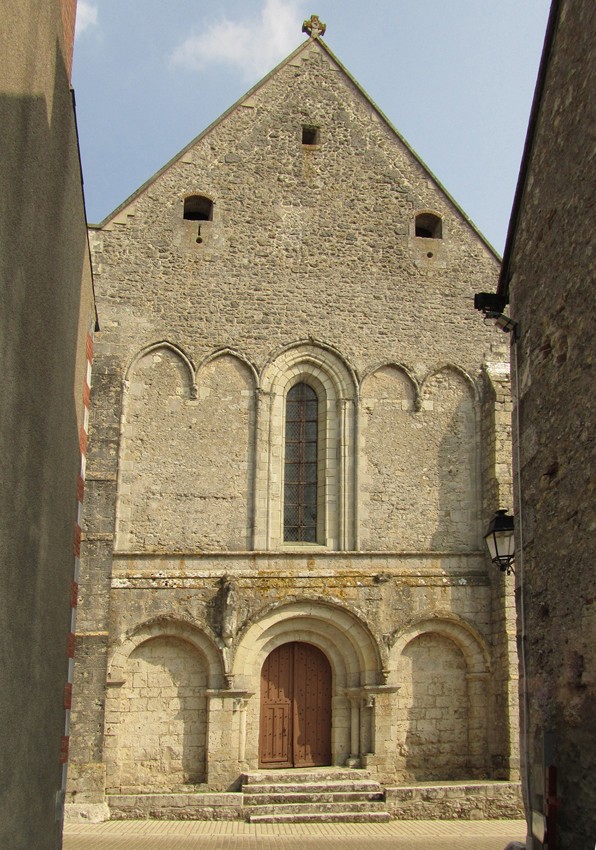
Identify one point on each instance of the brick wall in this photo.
(69, 11)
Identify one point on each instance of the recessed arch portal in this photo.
(344, 638)
(442, 666)
(157, 711)
(347, 644)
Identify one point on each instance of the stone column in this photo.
(240, 707)
(262, 471)
(343, 476)
(367, 731)
(354, 759)
(380, 702)
(226, 737)
(478, 684)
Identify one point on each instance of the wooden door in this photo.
(295, 707)
(275, 749)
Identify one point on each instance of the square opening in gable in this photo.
(310, 135)
(198, 208)
(429, 226)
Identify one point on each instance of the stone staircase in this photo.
(313, 795)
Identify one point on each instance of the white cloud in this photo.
(86, 16)
(253, 46)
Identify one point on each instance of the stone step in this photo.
(324, 797)
(365, 787)
(331, 795)
(315, 808)
(176, 806)
(281, 777)
(323, 817)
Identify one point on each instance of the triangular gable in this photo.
(294, 55)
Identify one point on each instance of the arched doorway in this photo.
(295, 729)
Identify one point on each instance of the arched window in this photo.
(300, 465)
(429, 226)
(198, 208)
(304, 485)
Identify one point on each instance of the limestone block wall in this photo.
(304, 242)
(196, 472)
(498, 493)
(402, 726)
(156, 722)
(434, 709)
(419, 483)
(425, 630)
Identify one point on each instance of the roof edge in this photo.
(409, 147)
(197, 138)
(255, 88)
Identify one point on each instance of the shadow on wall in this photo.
(455, 439)
(435, 702)
(420, 447)
(42, 263)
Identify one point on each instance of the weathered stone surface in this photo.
(197, 806)
(315, 795)
(461, 800)
(156, 722)
(549, 276)
(308, 271)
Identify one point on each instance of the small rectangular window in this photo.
(198, 208)
(429, 226)
(310, 135)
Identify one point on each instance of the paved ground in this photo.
(200, 835)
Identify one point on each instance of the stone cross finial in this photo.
(314, 27)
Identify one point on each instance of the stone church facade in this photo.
(299, 432)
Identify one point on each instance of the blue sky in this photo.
(456, 79)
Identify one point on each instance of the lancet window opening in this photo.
(301, 465)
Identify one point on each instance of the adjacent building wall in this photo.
(549, 276)
(46, 312)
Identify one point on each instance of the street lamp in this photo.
(500, 541)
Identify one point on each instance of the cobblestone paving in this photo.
(177, 835)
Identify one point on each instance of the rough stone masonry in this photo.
(297, 242)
